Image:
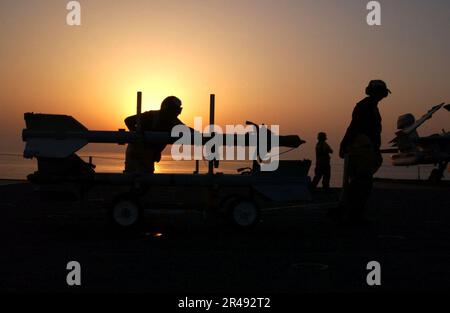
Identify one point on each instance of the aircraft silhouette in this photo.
(411, 149)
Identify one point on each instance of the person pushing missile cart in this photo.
(140, 157)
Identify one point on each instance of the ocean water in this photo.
(14, 166)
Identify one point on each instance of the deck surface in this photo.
(294, 249)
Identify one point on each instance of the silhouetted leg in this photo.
(146, 166)
(338, 213)
(359, 192)
(130, 162)
(360, 182)
(317, 177)
(347, 189)
(138, 159)
(326, 176)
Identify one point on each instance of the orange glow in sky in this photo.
(300, 64)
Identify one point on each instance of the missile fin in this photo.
(53, 122)
(52, 148)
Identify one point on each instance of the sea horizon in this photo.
(15, 167)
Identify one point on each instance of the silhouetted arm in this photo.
(352, 130)
(179, 122)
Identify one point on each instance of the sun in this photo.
(154, 91)
(119, 93)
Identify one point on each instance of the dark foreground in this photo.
(292, 250)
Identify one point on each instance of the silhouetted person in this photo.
(323, 167)
(360, 148)
(140, 157)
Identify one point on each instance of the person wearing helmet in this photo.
(140, 157)
(323, 167)
(360, 148)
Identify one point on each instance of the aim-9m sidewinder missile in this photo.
(59, 136)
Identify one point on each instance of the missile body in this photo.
(58, 136)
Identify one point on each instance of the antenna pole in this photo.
(138, 111)
(212, 100)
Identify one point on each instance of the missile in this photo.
(59, 136)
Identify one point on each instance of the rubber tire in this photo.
(125, 213)
(247, 218)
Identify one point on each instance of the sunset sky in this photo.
(300, 64)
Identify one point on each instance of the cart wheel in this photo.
(244, 213)
(125, 213)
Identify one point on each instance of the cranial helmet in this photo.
(321, 136)
(377, 87)
(171, 104)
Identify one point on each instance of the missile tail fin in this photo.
(51, 147)
(52, 122)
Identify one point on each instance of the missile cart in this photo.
(54, 140)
